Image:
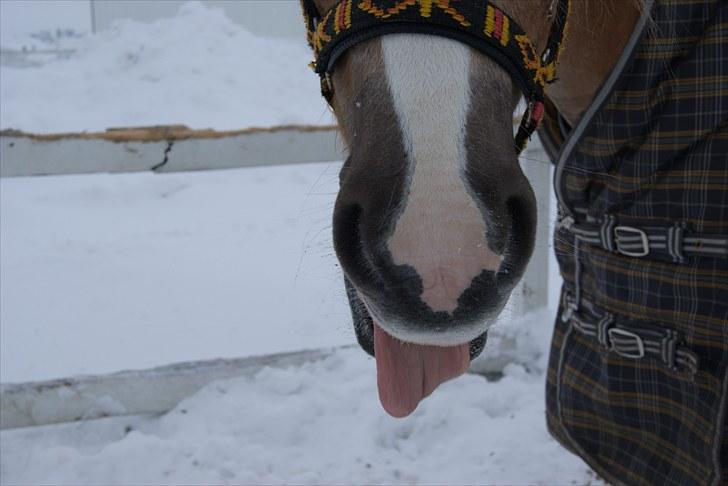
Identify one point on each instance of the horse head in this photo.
(434, 222)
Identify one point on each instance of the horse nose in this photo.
(448, 241)
(432, 262)
(434, 259)
(443, 285)
(446, 268)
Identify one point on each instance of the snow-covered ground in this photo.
(197, 68)
(106, 272)
(319, 424)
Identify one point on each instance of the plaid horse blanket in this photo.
(638, 373)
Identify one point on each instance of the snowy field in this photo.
(318, 424)
(198, 68)
(108, 272)
(100, 273)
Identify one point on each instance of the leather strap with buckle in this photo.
(631, 341)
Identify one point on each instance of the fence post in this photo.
(532, 293)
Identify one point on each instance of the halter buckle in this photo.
(546, 55)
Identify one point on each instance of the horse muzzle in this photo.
(413, 287)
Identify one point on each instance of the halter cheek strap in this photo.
(479, 24)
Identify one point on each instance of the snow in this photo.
(197, 68)
(316, 424)
(108, 272)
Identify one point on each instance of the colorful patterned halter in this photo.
(476, 23)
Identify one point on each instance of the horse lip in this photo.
(364, 324)
(430, 338)
(372, 313)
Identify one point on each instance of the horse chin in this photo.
(364, 325)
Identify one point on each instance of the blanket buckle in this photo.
(631, 241)
(626, 349)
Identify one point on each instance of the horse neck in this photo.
(597, 33)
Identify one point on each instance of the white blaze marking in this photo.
(441, 231)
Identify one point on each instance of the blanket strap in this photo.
(633, 341)
(674, 242)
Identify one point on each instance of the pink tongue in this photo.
(407, 373)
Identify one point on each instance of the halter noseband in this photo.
(478, 24)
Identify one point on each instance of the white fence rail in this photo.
(156, 390)
(164, 149)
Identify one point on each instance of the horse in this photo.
(434, 222)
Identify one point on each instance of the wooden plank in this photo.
(254, 148)
(164, 148)
(24, 156)
(155, 390)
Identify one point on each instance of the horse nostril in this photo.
(520, 236)
(522, 210)
(347, 235)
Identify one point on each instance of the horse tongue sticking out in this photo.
(407, 373)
